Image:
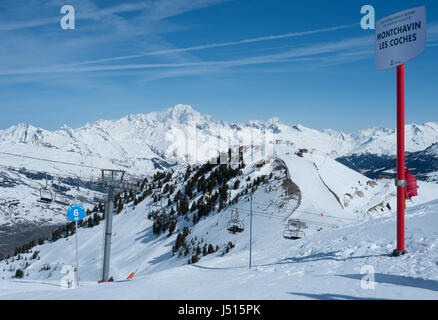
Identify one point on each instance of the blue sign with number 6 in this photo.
(75, 212)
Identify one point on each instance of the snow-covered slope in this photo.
(329, 265)
(20, 191)
(23, 217)
(356, 228)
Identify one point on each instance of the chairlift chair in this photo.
(63, 199)
(297, 223)
(293, 230)
(47, 195)
(293, 234)
(234, 225)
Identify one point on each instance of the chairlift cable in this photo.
(49, 160)
(63, 177)
(60, 162)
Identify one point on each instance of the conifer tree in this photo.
(90, 223)
(120, 207)
(195, 258)
(19, 274)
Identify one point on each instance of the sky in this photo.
(306, 62)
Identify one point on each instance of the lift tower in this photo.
(110, 180)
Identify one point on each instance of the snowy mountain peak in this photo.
(183, 113)
(178, 114)
(22, 133)
(375, 131)
(182, 109)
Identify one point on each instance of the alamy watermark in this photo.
(68, 281)
(367, 282)
(197, 144)
(68, 20)
(368, 21)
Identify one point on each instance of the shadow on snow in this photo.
(399, 280)
(330, 296)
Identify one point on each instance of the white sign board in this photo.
(400, 37)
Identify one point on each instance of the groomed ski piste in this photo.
(350, 227)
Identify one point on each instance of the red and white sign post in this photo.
(399, 38)
(400, 160)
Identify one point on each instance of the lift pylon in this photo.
(111, 180)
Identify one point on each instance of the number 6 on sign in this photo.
(76, 213)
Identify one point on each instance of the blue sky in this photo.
(305, 62)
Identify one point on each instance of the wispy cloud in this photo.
(25, 47)
(177, 61)
(432, 32)
(307, 51)
(87, 42)
(86, 10)
(218, 45)
(358, 47)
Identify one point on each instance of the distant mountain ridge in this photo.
(158, 139)
(423, 164)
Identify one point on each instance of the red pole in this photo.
(401, 181)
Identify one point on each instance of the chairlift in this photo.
(64, 201)
(234, 225)
(47, 195)
(297, 223)
(294, 234)
(293, 230)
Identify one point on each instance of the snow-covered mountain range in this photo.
(423, 164)
(142, 142)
